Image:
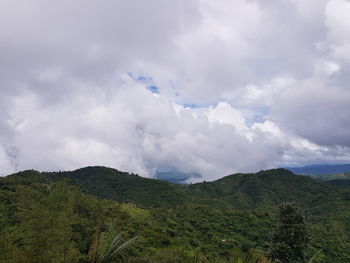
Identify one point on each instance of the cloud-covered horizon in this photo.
(193, 86)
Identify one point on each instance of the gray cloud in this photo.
(271, 79)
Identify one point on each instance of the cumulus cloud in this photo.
(137, 131)
(191, 86)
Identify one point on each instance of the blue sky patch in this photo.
(193, 106)
(153, 89)
(140, 78)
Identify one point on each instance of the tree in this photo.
(291, 239)
(113, 250)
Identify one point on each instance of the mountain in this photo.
(221, 218)
(112, 184)
(265, 188)
(320, 169)
(243, 191)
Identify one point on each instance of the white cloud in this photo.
(338, 24)
(268, 82)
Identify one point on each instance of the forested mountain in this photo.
(248, 191)
(56, 216)
(343, 183)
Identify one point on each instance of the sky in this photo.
(199, 88)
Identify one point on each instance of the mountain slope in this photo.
(242, 191)
(265, 188)
(237, 208)
(55, 222)
(342, 183)
(112, 184)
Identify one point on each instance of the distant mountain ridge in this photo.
(320, 169)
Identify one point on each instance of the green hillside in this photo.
(342, 183)
(215, 221)
(265, 188)
(120, 186)
(338, 176)
(243, 191)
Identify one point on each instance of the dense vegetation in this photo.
(291, 238)
(342, 183)
(66, 216)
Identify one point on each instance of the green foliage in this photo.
(48, 223)
(314, 256)
(119, 186)
(341, 183)
(70, 216)
(112, 251)
(291, 238)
